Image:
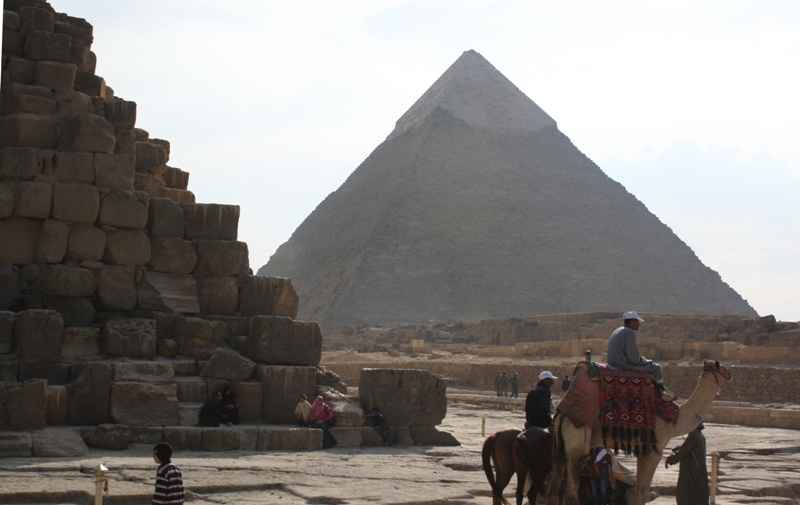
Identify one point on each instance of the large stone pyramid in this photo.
(477, 206)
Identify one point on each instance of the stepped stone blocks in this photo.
(26, 406)
(228, 365)
(289, 439)
(283, 341)
(268, 296)
(282, 385)
(418, 397)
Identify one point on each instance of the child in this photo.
(169, 481)
(378, 420)
(302, 411)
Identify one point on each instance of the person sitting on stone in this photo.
(623, 353)
(321, 417)
(302, 411)
(228, 404)
(211, 414)
(378, 420)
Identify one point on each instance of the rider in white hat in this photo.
(538, 402)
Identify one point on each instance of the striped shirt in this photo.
(169, 486)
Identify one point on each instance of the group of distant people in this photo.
(502, 381)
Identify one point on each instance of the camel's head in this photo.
(719, 371)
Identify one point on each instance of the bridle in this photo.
(710, 368)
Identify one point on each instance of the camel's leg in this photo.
(645, 468)
(556, 472)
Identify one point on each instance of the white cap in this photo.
(600, 454)
(632, 315)
(546, 375)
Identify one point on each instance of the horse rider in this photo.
(538, 403)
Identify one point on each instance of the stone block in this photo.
(228, 365)
(60, 280)
(75, 203)
(150, 184)
(10, 292)
(80, 342)
(20, 69)
(8, 373)
(237, 325)
(75, 167)
(189, 413)
(127, 248)
(184, 438)
(91, 393)
(176, 178)
(121, 113)
(282, 385)
(283, 341)
(85, 132)
(167, 347)
(35, 19)
(38, 334)
(268, 296)
(122, 209)
(115, 437)
(167, 292)
(199, 338)
(212, 221)
(91, 84)
(185, 366)
(85, 243)
(129, 337)
(20, 162)
(218, 295)
(69, 100)
(78, 29)
(153, 372)
(236, 438)
(13, 43)
(219, 258)
(116, 289)
(53, 75)
(6, 201)
(172, 254)
(58, 442)
(348, 436)
(150, 158)
(16, 102)
(34, 200)
(418, 397)
(52, 242)
(26, 406)
(40, 45)
(280, 438)
(114, 171)
(14, 444)
(125, 143)
(75, 311)
(429, 435)
(89, 62)
(7, 320)
(192, 389)
(57, 405)
(28, 130)
(180, 196)
(11, 20)
(56, 374)
(346, 409)
(167, 219)
(149, 435)
(250, 400)
(144, 404)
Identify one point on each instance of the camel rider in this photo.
(538, 402)
(623, 353)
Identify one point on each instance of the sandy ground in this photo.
(761, 465)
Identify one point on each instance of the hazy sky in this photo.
(691, 105)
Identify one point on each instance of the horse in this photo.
(528, 454)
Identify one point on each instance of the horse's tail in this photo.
(489, 457)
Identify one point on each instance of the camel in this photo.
(572, 444)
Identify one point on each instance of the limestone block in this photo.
(114, 171)
(52, 242)
(116, 288)
(35, 19)
(153, 185)
(75, 203)
(91, 84)
(250, 400)
(14, 444)
(58, 442)
(75, 311)
(180, 196)
(26, 406)
(150, 158)
(6, 201)
(172, 254)
(33, 104)
(184, 366)
(7, 320)
(282, 385)
(13, 43)
(280, 438)
(429, 435)
(168, 292)
(176, 178)
(189, 413)
(268, 296)
(211, 221)
(127, 248)
(60, 280)
(80, 342)
(20, 162)
(236, 438)
(123, 210)
(10, 291)
(54, 75)
(21, 70)
(218, 295)
(164, 144)
(167, 347)
(89, 63)
(85, 243)
(129, 337)
(283, 341)
(85, 132)
(70, 100)
(167, 219)
(57, 405)
(418, 397)
(115, 437)
(192, 389)
(28, 130)
(153, 372)
(91, 391)
(199, 338)
(75, 167)
(40, 45)
(218, 258)
(228, 365)
(346, 409)
(144, 404)
(149, 435)
(38, 334)
(349, 436)
(56, 374)
(184, 438)
(121, 113)
(78, 29)
(125, 143)
(34, 200)
(11, 21)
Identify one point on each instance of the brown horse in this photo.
(528, 454)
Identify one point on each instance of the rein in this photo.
(713, 373)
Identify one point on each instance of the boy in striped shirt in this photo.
(169, 481)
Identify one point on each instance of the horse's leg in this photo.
(645, 468)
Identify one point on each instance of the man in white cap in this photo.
(623, 353)
(538, 401)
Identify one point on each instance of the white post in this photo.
(714, 470)
(483, 426)
(99, 483)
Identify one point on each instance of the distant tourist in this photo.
(302, 411)
(211, 414)
(693, 474)
(504, 384)
(514, 381)
(497, 384)
(378, 420)
(169, 481)
(623, 353)
(228, 404)
(565, 384)
(321, 417)
(538, 402)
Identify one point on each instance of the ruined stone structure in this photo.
(124, 303)
(477, 206)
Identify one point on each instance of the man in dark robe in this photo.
(693, 475)
(211, 413)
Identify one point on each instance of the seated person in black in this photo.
(211, 413)
(228, 403)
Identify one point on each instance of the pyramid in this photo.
(477, 206)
